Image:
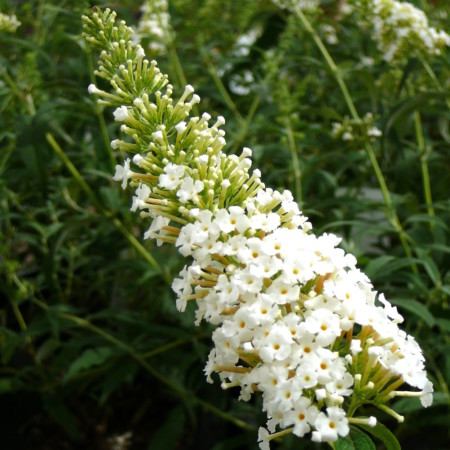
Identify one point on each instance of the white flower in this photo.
(142, 194)
(301, 416)
(330, 425)
(306, 374)
(123, 173)
(171, 178)
(324, 324)
(263, 439)
(265, 222)
(156, 228)
(232, 219)
(282, 291)
(427, 395)
(374, 132)
(276, 345)
(189, 189)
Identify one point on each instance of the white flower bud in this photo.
(140, 53)
(158, 135)
(92, 89)
(121, 113)
(181, 127)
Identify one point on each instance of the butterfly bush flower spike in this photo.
(155, 26)
(296, 321)
(8, 23)
(400, 30)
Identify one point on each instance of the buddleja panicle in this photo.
(297, 322)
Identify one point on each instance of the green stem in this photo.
(390, 209)
(179, 70)
(99, 113)
(22, 323)
(435, 80)
(27, 101)
(116, 222)
(223, 92)
(423, 165)
(179, 391)
(17, 312)
(245, 124)
(295, 163)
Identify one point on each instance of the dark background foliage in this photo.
(94, 354)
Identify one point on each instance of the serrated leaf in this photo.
(355, 440)
(383, 434)
(89, 358)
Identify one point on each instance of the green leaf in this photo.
(376, 264)
(383, 434)
(122, 372)
(59, 412)
(356, 440)
(47, 349)
(443, 324)
(406, 108)
(407, 405)
(6, 385)
(430, 266)
(169, 432)
(426, 218)
(416, 308)
(89, 358)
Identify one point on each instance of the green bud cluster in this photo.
(159, 131)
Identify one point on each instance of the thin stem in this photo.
(223, 91)
(26, 100)
(179, 70)
(423, 153)
(116, 222)
(17, 313)
(390, 209)
(295, 163)
(99, 113)
(245, 124)
(179, 391)
(434, 79)
(22, 323)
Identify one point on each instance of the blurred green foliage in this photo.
(94, 354)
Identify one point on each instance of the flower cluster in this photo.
(357, 131)
(155, 25)
(9, 23)
(400, 29)
(307, 5)
(297, 322)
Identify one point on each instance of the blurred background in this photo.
(94, 354)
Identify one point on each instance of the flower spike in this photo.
(297, 322)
